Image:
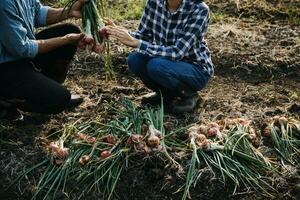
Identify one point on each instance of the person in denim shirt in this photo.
(170, 54)
(33, 66)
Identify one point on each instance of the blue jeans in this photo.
(159, 73)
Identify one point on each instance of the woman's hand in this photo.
(75, 10)
(108, 22)
(122, 35)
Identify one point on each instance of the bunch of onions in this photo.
(281, 123)
(93, 11)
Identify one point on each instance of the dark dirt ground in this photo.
(256, 52)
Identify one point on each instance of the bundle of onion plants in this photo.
(284, 134)
(93, 12)
(230, 155)
(91, 156)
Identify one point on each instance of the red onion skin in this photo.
(105, 154)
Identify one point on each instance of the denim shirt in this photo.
(18, 18)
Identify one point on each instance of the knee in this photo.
(132, 61)
(155, 67)
(60, 101)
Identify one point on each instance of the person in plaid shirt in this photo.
(170, 54)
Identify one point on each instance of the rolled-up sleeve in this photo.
(41, 13)
(13, 35)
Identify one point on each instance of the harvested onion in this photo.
(202, 129)
(84, 160)
(109, 139)
(59, 153)
(213, 132)
(135, 138)
(86, 138)
(105, 154)
(153, 140)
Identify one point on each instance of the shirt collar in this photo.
(181, 7)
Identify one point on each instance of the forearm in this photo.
(56, 15)
(48, 45)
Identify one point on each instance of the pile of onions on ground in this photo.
(149, 140)
(210, 133)
(281, 123)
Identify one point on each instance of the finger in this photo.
(81, 36)
(109, 22)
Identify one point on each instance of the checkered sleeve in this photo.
(144, 31)
(194, 29)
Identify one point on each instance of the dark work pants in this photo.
(34, 85)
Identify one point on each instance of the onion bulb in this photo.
(202, 129)
(86, 138)
(153, 140)
(105, 154)
(135, 138)
(58, 152)
(109, 139)
(243, 122)
(103, 33)
(213, 132)
(84, 159)
(205, 145)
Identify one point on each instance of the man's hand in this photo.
(89, 41)
(75, 10)
(74, 38)
(56, 15)
(121, 34)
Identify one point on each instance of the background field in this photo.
(255, 46)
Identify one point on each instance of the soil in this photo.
(256, 50)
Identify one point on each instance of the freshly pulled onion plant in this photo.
(285, 136)
(93, 12)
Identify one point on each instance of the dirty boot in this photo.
(186, 104)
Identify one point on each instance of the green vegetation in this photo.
(94, 155)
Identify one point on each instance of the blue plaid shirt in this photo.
(176, 35)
